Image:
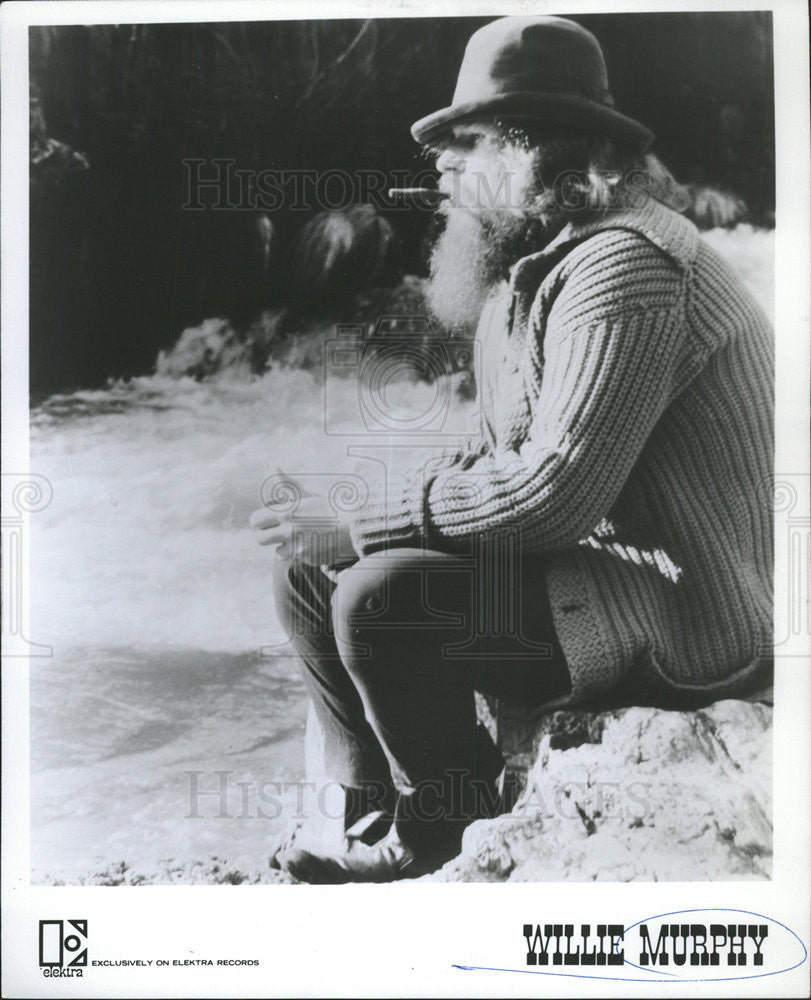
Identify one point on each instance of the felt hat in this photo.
(547, 70)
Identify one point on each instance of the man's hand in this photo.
(311, 532)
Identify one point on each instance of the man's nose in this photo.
(450, 159)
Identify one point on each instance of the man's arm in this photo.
(611, 351)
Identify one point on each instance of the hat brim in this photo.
(561, 110)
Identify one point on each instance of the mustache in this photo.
(498, 236)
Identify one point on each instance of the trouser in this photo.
(393, 652)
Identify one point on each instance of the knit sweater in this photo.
(626, 387)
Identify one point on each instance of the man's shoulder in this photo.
(651, 236)
(649, 224)
(613, 249)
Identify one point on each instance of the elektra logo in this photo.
(62, 947)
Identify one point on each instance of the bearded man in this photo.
(607, 533)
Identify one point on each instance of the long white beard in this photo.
(459, 281)
(473, 253)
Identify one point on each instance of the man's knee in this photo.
(361, 594)
(367, 606)
(385, 589)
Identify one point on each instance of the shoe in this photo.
(360, 821)
(370, 828)
(386, 861)
(282, 843)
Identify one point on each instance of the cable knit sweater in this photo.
(626, 388)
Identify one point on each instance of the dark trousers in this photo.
(393, 653)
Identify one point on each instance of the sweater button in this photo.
(568, 608)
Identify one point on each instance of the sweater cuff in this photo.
(393, 517)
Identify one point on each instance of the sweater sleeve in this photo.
(605, 362)
(394, 514)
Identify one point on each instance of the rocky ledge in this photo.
(632, 794)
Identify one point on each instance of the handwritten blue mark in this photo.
(669, 977)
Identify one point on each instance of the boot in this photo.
(368, 813)
(424, 833)
(420, 839)
(386, 861)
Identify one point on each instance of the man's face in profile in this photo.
(491, 184)
(482, 172)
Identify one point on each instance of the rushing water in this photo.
(169, 666)
(149, 586)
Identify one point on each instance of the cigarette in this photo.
(417, 192)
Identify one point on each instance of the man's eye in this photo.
(463, 143)
(467, 141)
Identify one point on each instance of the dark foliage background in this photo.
(118, 268)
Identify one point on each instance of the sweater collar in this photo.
(666, 229)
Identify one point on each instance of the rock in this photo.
(711, 208)
(210, 870)
(629, 794)
(205, 350)
(338, 254)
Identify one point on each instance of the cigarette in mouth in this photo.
(417, 193)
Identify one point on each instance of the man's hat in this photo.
(541, 69)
